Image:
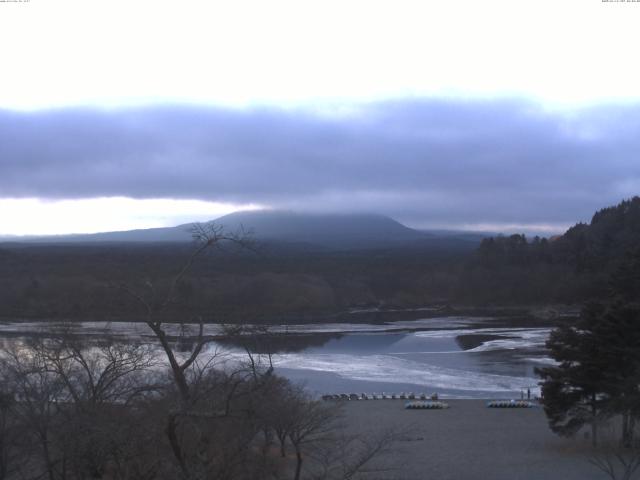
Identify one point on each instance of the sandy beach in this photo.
(471, 441)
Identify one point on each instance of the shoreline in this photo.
(548, 314)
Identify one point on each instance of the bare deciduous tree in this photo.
(155, 303)
(344, 456)
(311, 421)
(618, 460)
(75, 403)
(105, 411)
(10, 454)
(109, 372)
(36, 392)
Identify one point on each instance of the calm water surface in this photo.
(454, 356)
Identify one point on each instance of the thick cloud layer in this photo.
(427, 162)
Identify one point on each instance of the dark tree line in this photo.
(598, 372)
(571, 268)
(601, 245)
(73, 281)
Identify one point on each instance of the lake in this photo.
(457, 357)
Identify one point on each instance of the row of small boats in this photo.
(490, 404)
(510, 404)
(426, 405)
(380, 396)
(422, 400)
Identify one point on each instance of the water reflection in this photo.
(471, 341)
(457, 356)
(279, 343)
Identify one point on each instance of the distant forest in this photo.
(273, 283)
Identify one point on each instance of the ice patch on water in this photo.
(522, 337)
(387, 369)
(525, 338)
(542, 360)
(421, 323)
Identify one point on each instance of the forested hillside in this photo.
(570, 268)
(279, 283)
(81, 281)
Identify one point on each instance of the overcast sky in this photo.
(495, 115)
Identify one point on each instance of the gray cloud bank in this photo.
(426, 162)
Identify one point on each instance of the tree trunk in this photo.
(283, 451)
(178, 372)
(626, 430)
(47, 457)
(282, 438)
(172, 435)
(268, 440)
(594, 422)
(298, 464)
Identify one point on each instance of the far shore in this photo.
(539, 314)
(470, 441)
